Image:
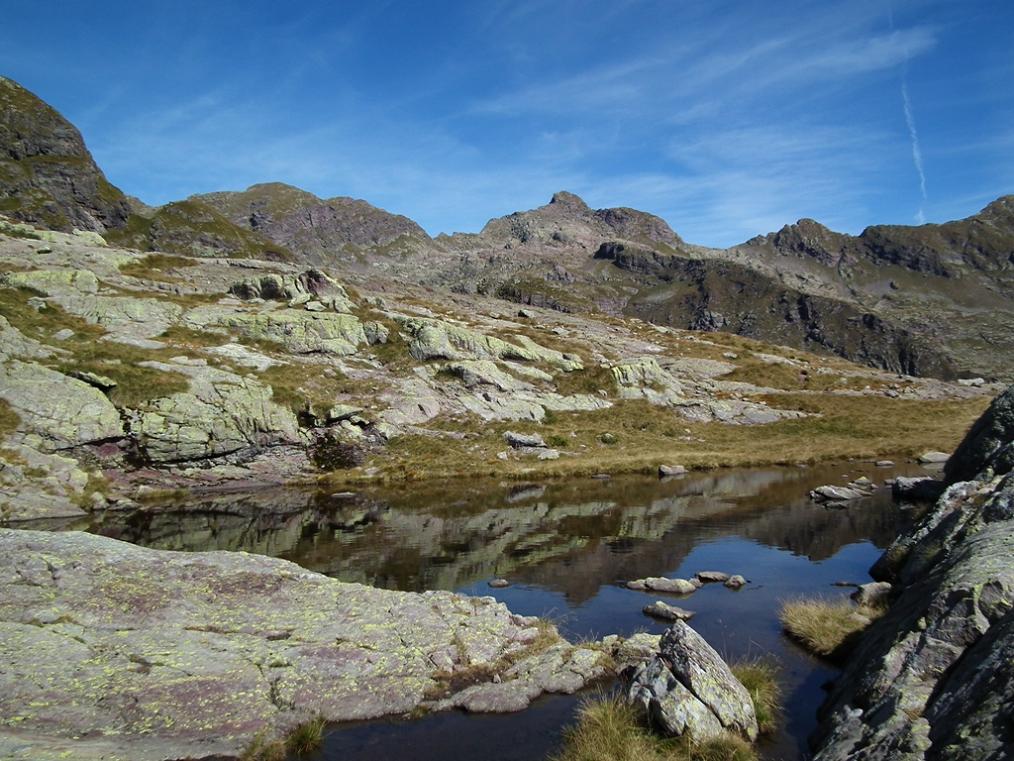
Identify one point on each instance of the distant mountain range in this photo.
(932, 300)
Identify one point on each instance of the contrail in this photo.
(916, 151)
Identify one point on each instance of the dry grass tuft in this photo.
(610, 730)
(824, 627)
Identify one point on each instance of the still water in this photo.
(566, 547)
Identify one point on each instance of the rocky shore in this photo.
(934, 678)
(111, 651)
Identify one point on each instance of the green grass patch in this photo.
(9, 420)
(300, 386)
(157, 267)
(760, 677)
(306, 737)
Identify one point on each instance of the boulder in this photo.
(109, 650)
(662, 584)
(221, 414)
(688, 689)
(57, 411)
(524, 440)
(832, 493)
(933, 458)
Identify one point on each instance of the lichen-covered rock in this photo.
(663, 584)
(696, 665)
(299, 331)
(57, 411)
(688, 688)
(25, 495)
(108, 650)
(669, 705)
(438, 339)
(296, 289)
(221, 414)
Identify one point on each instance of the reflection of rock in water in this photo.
(572, 536)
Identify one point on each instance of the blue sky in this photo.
(728, 119)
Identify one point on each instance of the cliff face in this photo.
(47, 175)
(934, 678)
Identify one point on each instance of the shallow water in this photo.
(566, 547)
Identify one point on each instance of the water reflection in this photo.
(564, 546)
(571, 536)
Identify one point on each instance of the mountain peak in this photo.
(49, 177)
(564, 198)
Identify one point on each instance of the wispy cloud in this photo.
(916, 150)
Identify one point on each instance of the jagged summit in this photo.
(47, 175)
(565, 198)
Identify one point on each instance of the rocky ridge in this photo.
(933, 678)
(930, 300)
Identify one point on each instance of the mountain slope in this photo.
(321, 231)
(47, 175)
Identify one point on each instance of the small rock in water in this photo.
(845, 584)
(933, 458)
(499, 583)
(713, 576)
(735, 582)
(662, 584)
(601, 476)
(885, 463)
(659, 609)
(671, 470)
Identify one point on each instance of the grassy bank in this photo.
(633, 436)
(824, 627)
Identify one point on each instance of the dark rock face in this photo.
(934, 678)
(988, 445)
(47, 175)
(715, 294)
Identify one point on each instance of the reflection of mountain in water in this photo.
(572, 536)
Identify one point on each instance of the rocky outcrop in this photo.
(686, 688)
(933, 678)
(221, 414)
(108, 650)
(56, 411)
(47, 175)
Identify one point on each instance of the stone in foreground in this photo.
(112, 651)
(686, 688)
